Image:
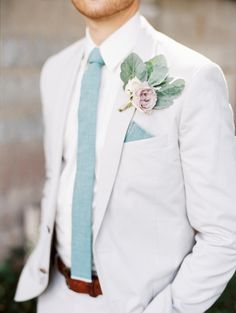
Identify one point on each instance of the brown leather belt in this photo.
(93, 288)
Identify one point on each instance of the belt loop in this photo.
(92, 292)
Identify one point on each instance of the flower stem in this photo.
(124, 107)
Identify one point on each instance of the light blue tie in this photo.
(81, 247)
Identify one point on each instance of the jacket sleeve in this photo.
(208, 157)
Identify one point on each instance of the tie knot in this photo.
(95, 57)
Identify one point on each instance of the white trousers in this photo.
(58, 298)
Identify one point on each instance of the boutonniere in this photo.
(148, 84)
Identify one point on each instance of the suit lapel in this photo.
(118, 125)
(65, 86)
(110, 156)
(67, 83)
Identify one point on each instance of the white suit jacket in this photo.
(165, 225)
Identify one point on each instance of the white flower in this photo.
(133, 85)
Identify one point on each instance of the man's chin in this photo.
(96, 15)
(101, 9)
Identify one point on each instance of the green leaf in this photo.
(165, 82)
(133, 66)
(163, 102)
(172, 90)
(157, 70)
(149, 68)
(168, 92)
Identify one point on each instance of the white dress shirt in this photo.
(113, 50)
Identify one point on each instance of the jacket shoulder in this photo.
(196, 69)
(180, 57)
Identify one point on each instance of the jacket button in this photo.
(42, 270)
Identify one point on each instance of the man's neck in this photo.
(100, 29)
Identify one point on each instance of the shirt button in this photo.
(48, 228)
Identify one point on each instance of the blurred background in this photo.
(31, 31)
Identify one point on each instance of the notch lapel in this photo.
(64, 91)
(65, 85)
(118, 125)
(110, 156)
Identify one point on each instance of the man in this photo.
(160, 236)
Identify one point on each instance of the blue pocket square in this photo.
(136, 132)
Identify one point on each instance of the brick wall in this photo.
(33, 30)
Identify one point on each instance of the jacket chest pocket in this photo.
(147, 146)
(145, 161)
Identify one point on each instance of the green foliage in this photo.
(227, 301)
(157, 70)
(168, 91)
(172, 89)
(9, 274)
(131, 67)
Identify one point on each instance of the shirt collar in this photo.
(119, 44)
